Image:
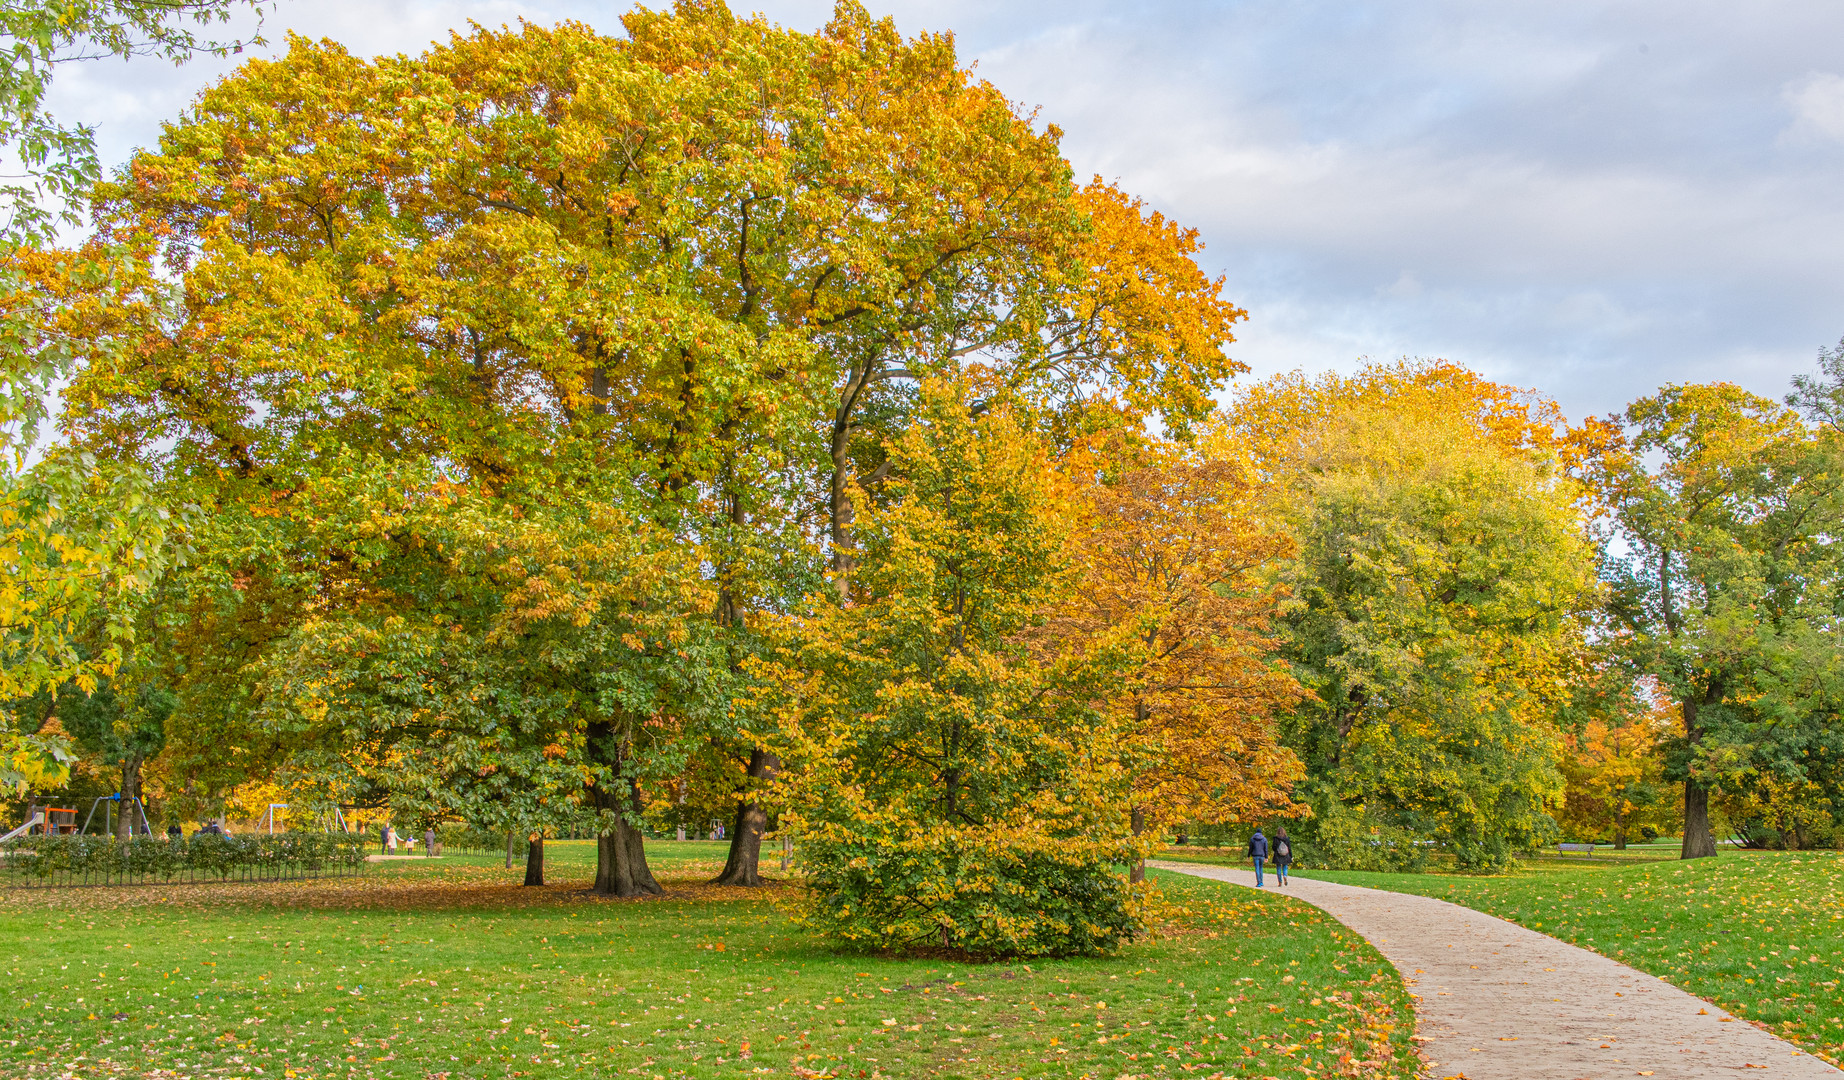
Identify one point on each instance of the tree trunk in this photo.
(1138, 816)
(621, 864)
(1619, 832)
(1698, 843)
(740, 868)
(131, 795)
(840, 505)
(839, 498)
(534, 861)
(621, 854)
(509, 835)
(743, 865)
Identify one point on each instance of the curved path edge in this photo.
(1495, 1001)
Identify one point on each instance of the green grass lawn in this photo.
(1759, 933)
(446, 969)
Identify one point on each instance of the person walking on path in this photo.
(384, 839)
(429, 843)
(1283, 854)
(390, 839)
(1258, 850)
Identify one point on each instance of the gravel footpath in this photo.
(1495, 1001)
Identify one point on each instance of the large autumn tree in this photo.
(690, 276)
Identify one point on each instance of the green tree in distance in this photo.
(1727, 585)
(1438, 600)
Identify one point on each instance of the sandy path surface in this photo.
(1499, 1002)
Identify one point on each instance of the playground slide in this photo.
(21, 831)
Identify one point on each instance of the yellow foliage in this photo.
(1176, 576)
(1615, 776)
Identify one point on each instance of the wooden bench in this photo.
(1564, 849)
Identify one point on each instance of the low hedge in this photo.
(105, 860)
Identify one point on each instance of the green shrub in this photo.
(104, 859)
(985, 893)
(1342, 838)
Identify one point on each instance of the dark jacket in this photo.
(1258, 846)
(1283, 851)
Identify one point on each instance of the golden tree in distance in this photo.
(1615, 774)
(1279, 424)
(1170, 561)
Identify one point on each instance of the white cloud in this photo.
(1817, 103)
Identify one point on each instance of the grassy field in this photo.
(446, 969)
(1759, 933)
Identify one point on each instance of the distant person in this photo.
(390, 839)
(429, 842)
(384, 839)
(1283, 854)
(174, 832)
(1258, 850)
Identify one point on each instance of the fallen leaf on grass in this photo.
(459, 886)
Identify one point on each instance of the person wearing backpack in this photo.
(1258, 850)
(1283, 854)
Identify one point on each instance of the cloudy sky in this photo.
(1588, 199)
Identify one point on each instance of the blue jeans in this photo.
(1258, 861)
(1280, 870)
